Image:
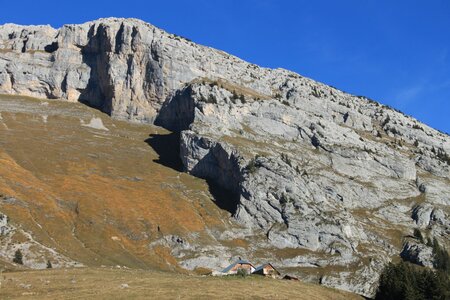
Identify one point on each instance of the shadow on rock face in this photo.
(223, 198)
(167, 146)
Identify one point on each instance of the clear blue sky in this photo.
(396, 52)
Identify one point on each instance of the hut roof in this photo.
(263, 265)
(241, 262)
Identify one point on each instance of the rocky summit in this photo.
(323, 184)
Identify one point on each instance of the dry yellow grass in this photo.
(135, 284)
(98, 197)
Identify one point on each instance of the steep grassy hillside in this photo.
(93, 189)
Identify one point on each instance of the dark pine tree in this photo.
(18, 257)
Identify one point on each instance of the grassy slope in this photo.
(107, 284)
(99, 197)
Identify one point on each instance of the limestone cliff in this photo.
(125, 67)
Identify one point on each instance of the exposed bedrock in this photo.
(216, 163)
(126, 67)
(418, 253)
(337, 197)
(178, 113)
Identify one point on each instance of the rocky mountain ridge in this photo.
(298, 164)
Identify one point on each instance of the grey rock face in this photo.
(418, 253)
(310, 182)
(124, 66)
(433, 217)
(5, 228)
(301, 166)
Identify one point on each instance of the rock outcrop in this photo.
(418, 253)
(301, 164)
(5, 228)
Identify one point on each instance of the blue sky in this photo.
(395, 52)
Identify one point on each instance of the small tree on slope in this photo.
(18, 257)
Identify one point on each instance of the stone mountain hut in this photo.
(239, 265)
(267, 270)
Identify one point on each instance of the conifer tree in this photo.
(18, 257)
